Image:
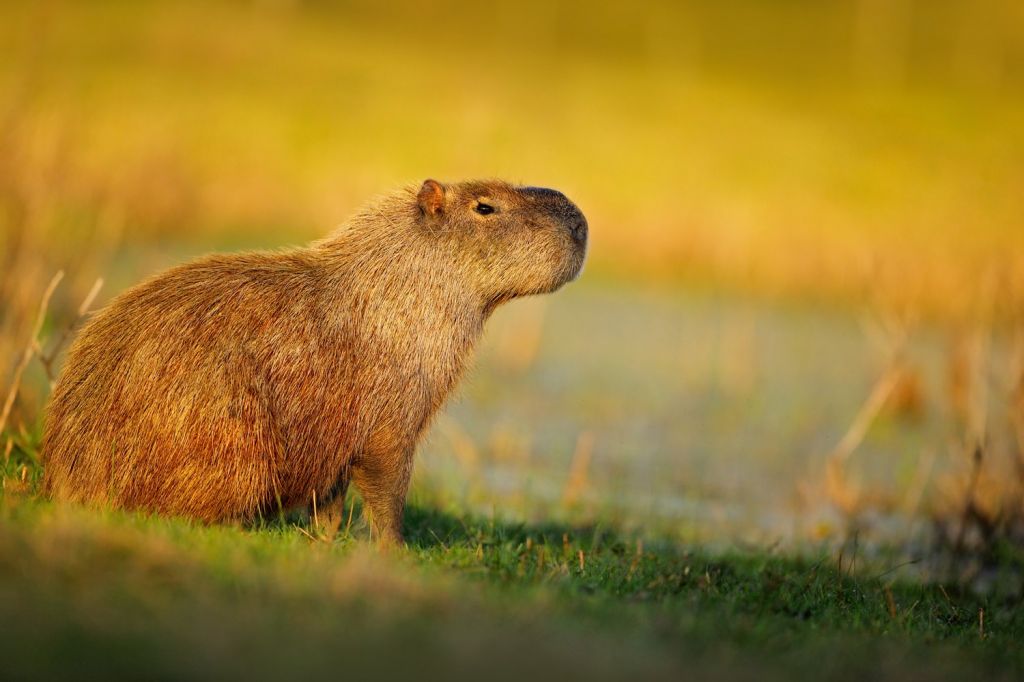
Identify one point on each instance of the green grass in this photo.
(87, 594)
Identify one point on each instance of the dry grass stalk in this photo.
(351, 510)
(638, 557)
(1017, 397)
(984, 501)
(890, 603)
(333, 513)
(865, 416)
(578, 480)
(30, 350)
(897, 389)
(977, 422)
(49, 359)
(509, 442)
(907, 399)
(970, 511)
(841, 491)
(307, 534)
(976, 428)
(915, 490)
(461, 442)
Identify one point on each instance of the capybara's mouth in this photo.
(579, 255)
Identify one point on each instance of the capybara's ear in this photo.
(431, 197)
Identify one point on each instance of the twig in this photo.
(30, 349)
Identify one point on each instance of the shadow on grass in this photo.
(429, 527)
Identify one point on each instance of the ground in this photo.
(88, 594)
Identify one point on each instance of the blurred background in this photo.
(803, 309)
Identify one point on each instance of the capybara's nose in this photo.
(579, 230)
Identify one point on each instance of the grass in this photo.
(85, 594)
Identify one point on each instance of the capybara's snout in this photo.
(578, 230)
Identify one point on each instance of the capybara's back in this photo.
(163, 404)
(241, 383)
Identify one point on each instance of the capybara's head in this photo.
(515, 240)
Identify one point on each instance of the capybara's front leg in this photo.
(384, 483)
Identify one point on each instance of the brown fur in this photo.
(226, 387)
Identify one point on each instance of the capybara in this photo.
(238, 385)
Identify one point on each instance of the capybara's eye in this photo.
(484, 209)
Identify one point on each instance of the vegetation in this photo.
(112, 594)
(844, 150)
(777, 429)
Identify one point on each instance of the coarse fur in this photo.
(240, 384)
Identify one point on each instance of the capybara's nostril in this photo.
(579, 231)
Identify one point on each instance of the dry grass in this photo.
(977, 505)
(43, 230)
(847, 151)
